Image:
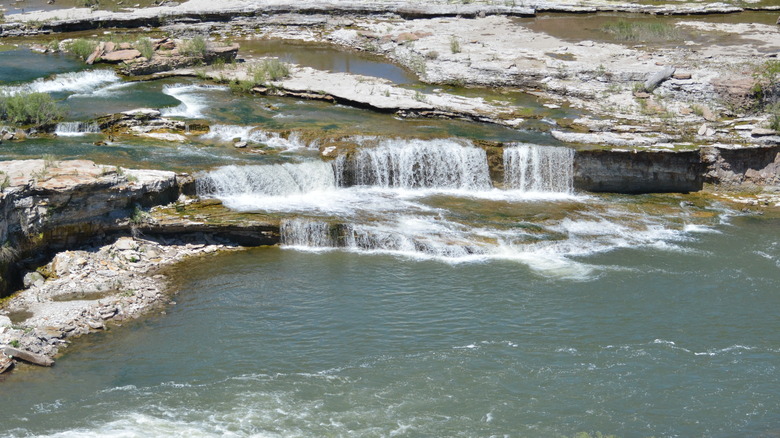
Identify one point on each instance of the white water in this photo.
(270, 180)
(193, 98)
(228, 133)
(76, 129)
(532, 168)
(417, 199)
(441, 164)
(77, 82)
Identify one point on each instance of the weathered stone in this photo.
(110, 47)
(655, 79)
(96, 54)
(6, 363)
(120, 56)
(125, 244)
(5, 321)
(33, 279)
(762, 132)
(35, 359)
(240, 144)
(682, 76)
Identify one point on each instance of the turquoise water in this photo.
(278, 342)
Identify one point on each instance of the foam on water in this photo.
(192, 97)
(267, 181)
(228, 133)
(76, 129)
(76, 82)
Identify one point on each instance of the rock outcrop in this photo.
(52, 205)
(638, 171)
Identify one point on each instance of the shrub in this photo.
(195, 47)
(145, 46)
(81, 47)
(774, 117)
(29, 108)
(269, 70)
(455, 44)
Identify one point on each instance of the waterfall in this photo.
(76, 129)
(447, 164)
(425, 241)
(532, 168)
(307, 233)
(267, 180)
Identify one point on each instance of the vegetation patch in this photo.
(81, 47)
(269, 70)
(195, 47)
(641, 31)
(28, 108)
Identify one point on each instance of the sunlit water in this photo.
(275, 342)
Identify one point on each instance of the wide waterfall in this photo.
(447, 164)
(268, 180)
(76, 129)
(533, 168)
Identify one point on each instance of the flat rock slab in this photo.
(121, 55)
(35, 359)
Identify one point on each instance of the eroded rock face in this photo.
(57, 204)
(738, 166)
(164, 60)
(638, 171)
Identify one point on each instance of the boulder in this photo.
(121, 56)
(32, 279)
(97, 53)
(35, 359)
(655, 79)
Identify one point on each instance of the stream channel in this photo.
(414, 293)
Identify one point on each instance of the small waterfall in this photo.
(394, 238)
(267, 180)
(446, 164)
(76, 129)
(73, 82)
(532, 168)
(307, 233)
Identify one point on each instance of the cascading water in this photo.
(532, 168)
(193, 103)
(228, 133)
(268, 180)
(76, 129)
(443, 164)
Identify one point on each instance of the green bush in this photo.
(269, 70)
(195, 47)
(145, 46)
(81, 47)
(29, 109)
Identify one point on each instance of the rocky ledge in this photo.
(49, 205)
(83, 291)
